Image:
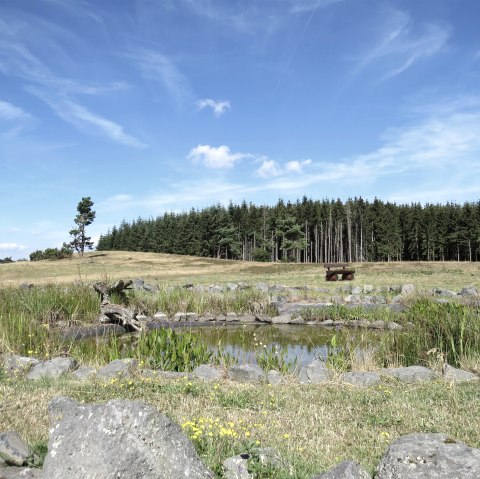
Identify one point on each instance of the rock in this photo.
(297, 320)
(429, 456)
(208, 372)
(263, 318)
(84, 373)
(274, 377)
(26, 286)
(326, 322)
(52, 368)
(118, 368)
(393, 326)
(236, 467)
(408, 289)
(159, 316)
(191, 317)
(411, 374)
(247, 373)
(314, 373)
(231, 286)
(179, 317)
(246, 318)
(18, 365)
(444, 292)
(117, 439)
(138, 283)
(357, 290)
(353, 298)
(209, 317)
(469, 291)
(345, 470)
(282, 319)
(20, 473)
(262, 287)
(363, 379)
(14, 450)
(397, 299)
(379, 324)
(458, 375)
(231, 317)
(368, 288)
(220, 317)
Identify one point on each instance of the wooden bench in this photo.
(334, 269)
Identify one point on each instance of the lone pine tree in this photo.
(83, 219)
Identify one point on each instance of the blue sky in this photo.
(151, 106)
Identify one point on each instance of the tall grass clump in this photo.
(30, 318)
(451, 331)
(178, 299)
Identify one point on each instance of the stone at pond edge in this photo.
(282, 319)
(118, 368)
(127, 439)
(208, 372)
(83, 373)
(458, 375)
(411, 374)
(13, 449)
(263, 318)
(361, 378)
(247, 373)
(99, 330)
(429, 456)
(236, 467)
(345, 470)
(274, 377)
(314, 373)
(14, 364)
(52, 368)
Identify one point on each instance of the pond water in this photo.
(299, 342)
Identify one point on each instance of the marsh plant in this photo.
(169, 350)
(276, 357)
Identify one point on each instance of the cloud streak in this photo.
(218, 107)
(11, 112)
(402, 45)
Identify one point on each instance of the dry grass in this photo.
(163, 268)
(313, 427)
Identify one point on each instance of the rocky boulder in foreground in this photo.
(118, 439)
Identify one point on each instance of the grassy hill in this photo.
(165, 268)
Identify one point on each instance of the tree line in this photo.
(310, 231)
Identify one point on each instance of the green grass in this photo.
(312, 427)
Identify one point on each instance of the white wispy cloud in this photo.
(81, 117)
(161, 68)
(216, 157)
(12, 247)
(270, 168)
(302, 6)
(12, 112)
(402, 44)
(219, 107)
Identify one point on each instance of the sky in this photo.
(149, 106)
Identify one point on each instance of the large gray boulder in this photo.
(469, 292)
(247, 373)
(314, 373)
(209, 372)
(458, 375)
(13, 449)
(429, 456)
(118, 368)
(362, 378)
(411, 374)
(345, 470)
(118, 439)
(53, 368)
(18, 365)
(236, 467)
(20, 473)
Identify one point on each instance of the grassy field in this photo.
(162, 268)
(313, 427)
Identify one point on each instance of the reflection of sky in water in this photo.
(303, 354)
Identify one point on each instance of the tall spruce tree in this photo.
(83, 219)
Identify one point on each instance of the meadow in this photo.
(313, 427)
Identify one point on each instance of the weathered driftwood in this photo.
(116, 313)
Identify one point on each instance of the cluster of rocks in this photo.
(131, 439)
(314, 373)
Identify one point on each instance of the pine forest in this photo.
(309, 231)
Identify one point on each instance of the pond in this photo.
(299, 342)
